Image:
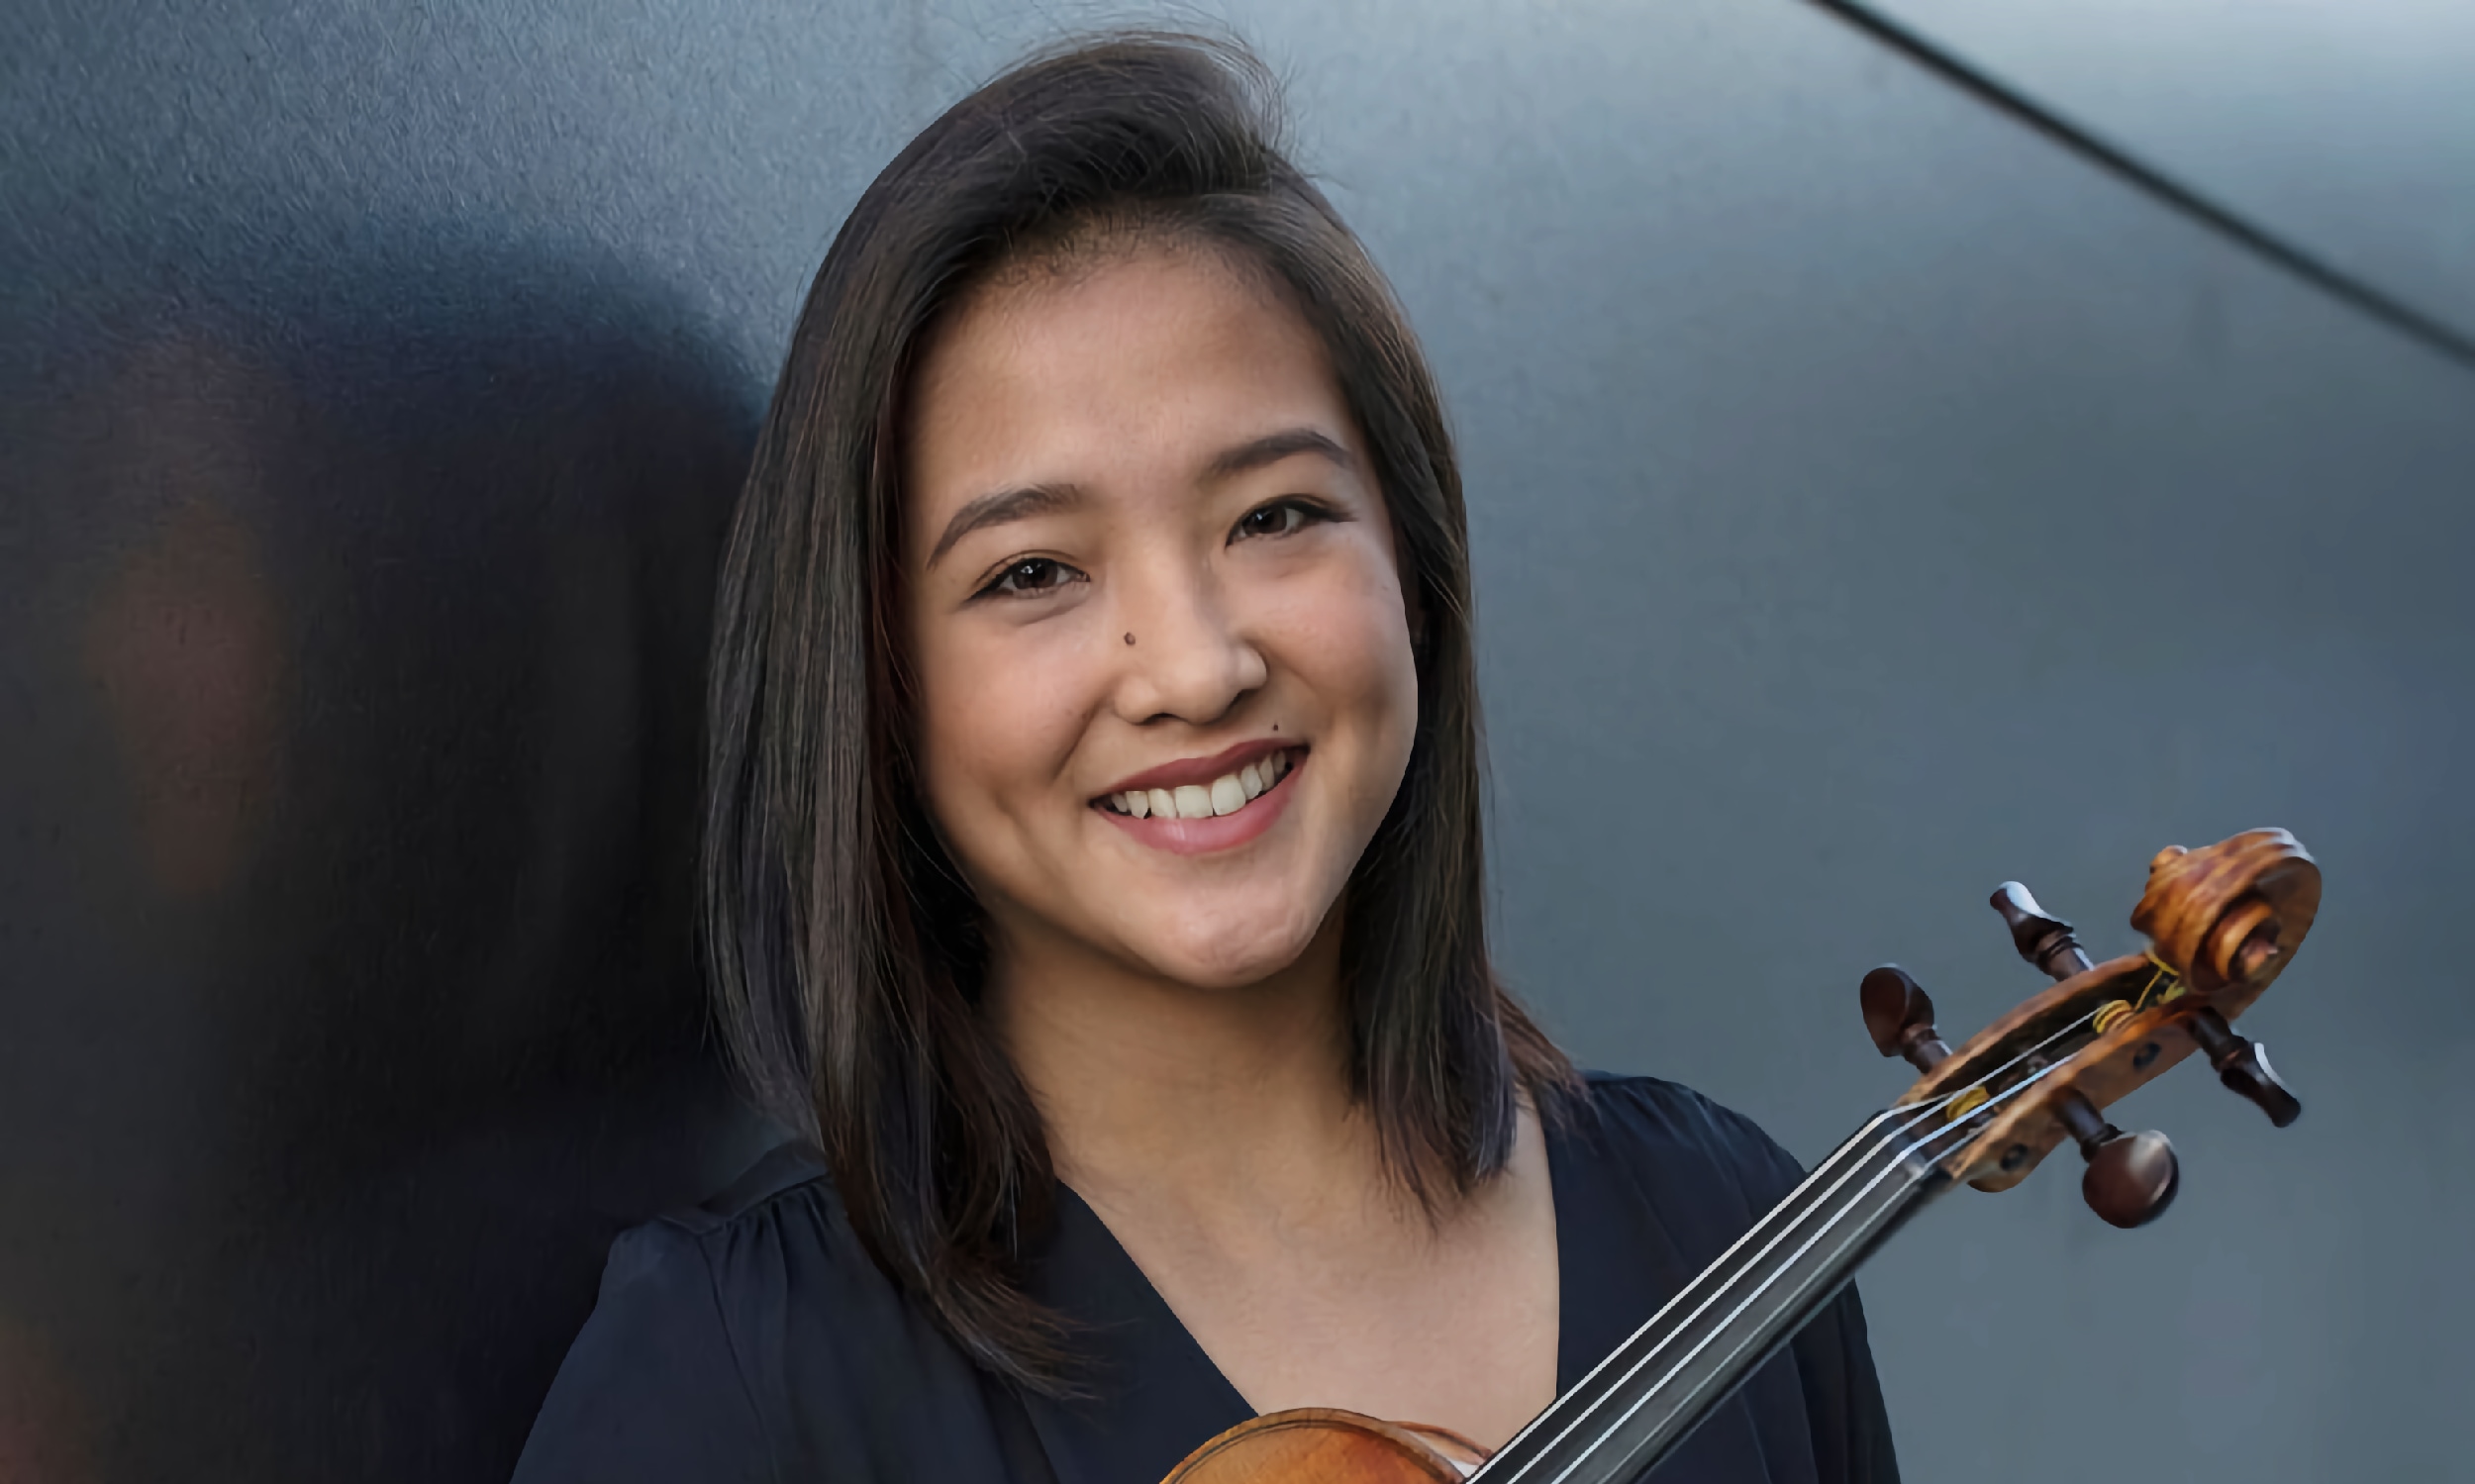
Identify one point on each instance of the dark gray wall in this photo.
(1871, 504)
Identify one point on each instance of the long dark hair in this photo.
(846, 955)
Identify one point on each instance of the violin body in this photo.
(1327, 1445)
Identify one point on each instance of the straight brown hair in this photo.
(844, 949)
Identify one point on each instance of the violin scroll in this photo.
(2231, 916)
(2222, 924)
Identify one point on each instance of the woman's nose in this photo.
(1185, 656)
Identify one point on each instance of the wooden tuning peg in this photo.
(1898, 1015)
(2042, 938)
(2243, 1066)
(2132, 1178)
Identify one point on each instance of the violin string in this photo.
(1781, 1220)
(1590, 1447)
(2059, 1032)
(1922, 1111)
(1754, 1234)
(1762, 1239)
(1848, 1209)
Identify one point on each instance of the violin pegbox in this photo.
(2223, 923)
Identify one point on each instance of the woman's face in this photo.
(1166, 685)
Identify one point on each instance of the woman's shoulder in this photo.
(774, 1241)
(709, 1321)
(1666, 1133)
(662, 1382)
(780, 1208)
(789, 1175)
(751, 1338)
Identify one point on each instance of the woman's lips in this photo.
(1215, 832)
(1202, 771)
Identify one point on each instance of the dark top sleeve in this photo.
(1851, 1430)
(652, 1389)
(750, 1338)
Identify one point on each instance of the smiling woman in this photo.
(1094, 872)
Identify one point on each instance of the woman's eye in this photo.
(1279, 518)
(1030, 578)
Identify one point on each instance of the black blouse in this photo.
(751, 1339)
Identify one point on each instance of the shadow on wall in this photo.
(352, 638)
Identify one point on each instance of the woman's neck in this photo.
(1204, 1096)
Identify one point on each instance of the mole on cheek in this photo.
(1129, 639)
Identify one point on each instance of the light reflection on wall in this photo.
(351, 649)
(183, 641)
(43, 1422)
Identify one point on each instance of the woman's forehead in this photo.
(1145, 365)
(1039, 315)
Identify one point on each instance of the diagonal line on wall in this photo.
(2425, 330)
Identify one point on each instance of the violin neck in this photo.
(1642, 1400)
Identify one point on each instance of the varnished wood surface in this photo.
(2025, 1131)
(2199, 910)
(2030, 1022)
(1324, 1446)
(2201, 903)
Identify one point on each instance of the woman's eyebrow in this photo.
(1003, 506)
(1271, 449)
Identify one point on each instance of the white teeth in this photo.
(1226, 794)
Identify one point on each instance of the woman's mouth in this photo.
(1231, 793)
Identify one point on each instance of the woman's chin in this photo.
(1232, 960)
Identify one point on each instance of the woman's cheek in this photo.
(1018, 705)
(1390, 663)
(1354, 649)
(974, 730)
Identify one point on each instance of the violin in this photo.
(2222, 924)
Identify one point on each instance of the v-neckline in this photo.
(1153, 1393)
